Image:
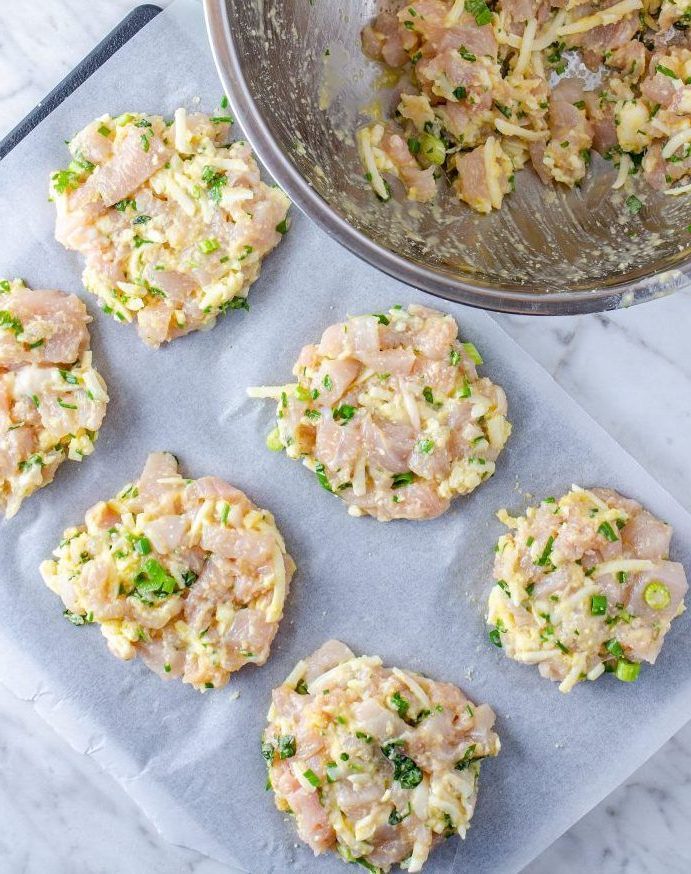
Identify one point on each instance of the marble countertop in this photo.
(631, 370)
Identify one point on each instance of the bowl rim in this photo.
(652, 285)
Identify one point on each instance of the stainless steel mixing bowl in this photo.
(300, 88)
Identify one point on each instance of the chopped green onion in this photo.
(495, 637)
(598, 605)
(320, 472)
(311, 777)
(607, 532)
(472, 353)
(301, 687)
(142, 545)
(432, 148)
(613, 646)
(627, 671)
(466, 55)
(657, 595)
(480, 11)
(402, 479)
(273, 441)
(206, 247)
(544, 558)
(344, 413)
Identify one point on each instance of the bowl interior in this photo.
(312, 87)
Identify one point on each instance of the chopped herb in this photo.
(10, 322)
(65, 405)
(627, 671)
(480, 11)
(153, 581)
(166, 667)
(128, 202)
(344, 413)
(78, 618)
(454, 357)
(395, 818)
(504, 586)
(221, 119)
(633, 204)
(327, 382)
(206, 247)
(402, 479)
(460, 93)
(313, 414)
(607, 532)
(613, 646)
(598, 605)
(301, 687)
(382, 319)
(104, 131)
(141, 220)
(622, 577)
(405, 771)
(544, 558)
(311, 777)
(429, 397)
(144, 140)
(69, 377)
(400, 704)
(286, 746)
(320, 472)
(495, 637)
(413, 145)
(425, 446)
(466, 55)
(468, 757)
(31, 461)
(665, 71)
(505, 110)
(282, 227)
(472, 353)
(214, 182)
(657, 595)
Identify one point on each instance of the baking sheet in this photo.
(411, 592)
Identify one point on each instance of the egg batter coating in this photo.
(390, 413)
(585, 586)
(188, 574)
(378, 764)
(52, 401)
(173, 220)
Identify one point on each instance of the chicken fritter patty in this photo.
(188, 574)
(390, 413)
(585, 586)
(52, 401)
(378, 764)
(173, 221)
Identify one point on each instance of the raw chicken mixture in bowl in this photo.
(590, 224)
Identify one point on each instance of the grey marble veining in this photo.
(630, 370)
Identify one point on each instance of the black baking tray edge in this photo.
(117, 38)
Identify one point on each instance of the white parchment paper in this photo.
(413, 593)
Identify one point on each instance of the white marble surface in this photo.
(631, 371)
